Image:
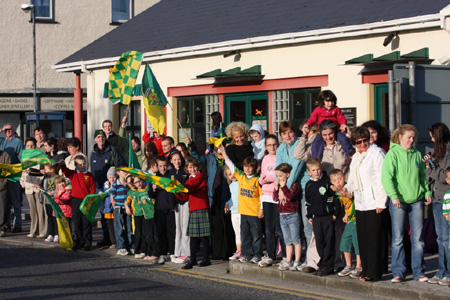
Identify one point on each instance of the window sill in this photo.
(116, 23)
(45, 21)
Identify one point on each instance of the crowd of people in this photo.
(251, 197)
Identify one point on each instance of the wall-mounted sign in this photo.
(16, 104)
(350, 115)
(59, 104)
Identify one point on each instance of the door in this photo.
(248, 108)
(381, 103)
(302, 104)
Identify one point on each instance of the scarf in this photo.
(355, 179)
(220, 161)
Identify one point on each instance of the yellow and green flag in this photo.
(65, 237)
(11, 172)
(170, 185)
(33, 157)
(91, 204)
(123, 77)
(154, 101)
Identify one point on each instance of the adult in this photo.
(119, 141)
(4, 205)
(405, 182)
(136, 146)
(13, 146)
(440, 161)
(370, 200)
(379, 135)
(51, 149)
(149, 150)
(240, 148)
(40, 136)
(183, 149)
(153, 136)
(62, 147)
(74, 149)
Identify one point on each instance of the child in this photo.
(181, 210)
(240, 148)
(322, 207)
(289, 217)
(269, 204)
(51, 171)
(108, 207)
(327, 109)
(164, 214)
(153, 165)
(63, 196)
(446, 204)
(256, 133)
(249, 208)
(83, 184)
(122, 213)
(349, 237)
(232, 207)
(199, 226)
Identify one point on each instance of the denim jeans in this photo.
(307, 228)
(398, 217)
(251, 235)
(442, 230)
(273, 229)
(290, 225)
(121, 220)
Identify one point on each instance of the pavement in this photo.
(409, 289)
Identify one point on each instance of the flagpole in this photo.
(179, 124)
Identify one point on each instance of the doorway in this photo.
(248, 108)
(381, 103)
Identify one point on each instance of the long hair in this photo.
(395, 138)
(441, 135)
(216, 118)
(382, 132)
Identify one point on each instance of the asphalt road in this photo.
(28, 272)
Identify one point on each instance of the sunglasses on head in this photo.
(362, 141)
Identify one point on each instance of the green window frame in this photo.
(192, 117)
(302, 103)
(134, 118)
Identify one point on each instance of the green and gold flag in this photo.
(123, 77)
(170, 185)
(11, 172)
(33, 157)
(154, 101)
(91, 204)
(65, 237)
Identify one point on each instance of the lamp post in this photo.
(31, 9)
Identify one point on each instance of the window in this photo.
(191, 114)
(43, 10)
(134, 118)
(302, 104)
(122, 11)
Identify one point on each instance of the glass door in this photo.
(248, 108)
(381, 103)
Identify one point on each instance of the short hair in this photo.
(254, 131)
(152, 161)
(286, 126)
(284, 167)
(30, 139)
(326, 95)
(59, 179)
(328, 124)
(312, 161)
(359, 133)
(161, 158)
(252, 162)
(447, 171)
(271, 136)
(121, 165)
(38, 129)
(314, 128)
(55, 168)
(193, 161)
(136, 140)
(106, 121)
(168, 139)
(62, 144)
(336, 172)
(74, 142)
(235, 127)
(80, 158)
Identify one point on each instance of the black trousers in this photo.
(339, 226)
(193, 243)
(369, 231)
(139, 240)
(165, 230)
(52, 227)
(112, 235)
(83, 228)
(223, 234)
(151, 246)
(323, 227)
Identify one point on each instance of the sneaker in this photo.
(132, 251)
(295, 266)
(423, 279)
(122, 252)
(139, 256)
(281, 261)
(444, 281)
(236, 255)
(255, 260)
(41, 236)
(181, 260)
(56, 239)
(356, 273)
(150, 257)
(397, 279)
(434, 279)
(172, 258)
(2, 234)
(265, 262)
(161, 260)
(49, 238)
(300, 268)
(346, 271)
(284, 265)
(31, 235)
(243, 259)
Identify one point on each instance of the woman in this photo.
(440, 159)
(379, 135)
(240, 148)
(405, 182)
(183, 150)
(136, 145)
(370, 198)
(51, 149)
(73, 147)
(150, 149)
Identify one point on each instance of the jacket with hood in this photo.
(403, 175)
(436, 176)
(259, 147)
(321, 113)
(102, 160)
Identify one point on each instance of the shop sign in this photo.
(16, 104)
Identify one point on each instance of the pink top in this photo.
(321, 113)
(268, 166)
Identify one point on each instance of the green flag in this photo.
(11, 172)
(154, 100)
(32, 157)
(91, 204)
(133, 161)
(65, 237)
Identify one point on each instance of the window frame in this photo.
(50, 19)
(131, 14)
(190, 126)
(310, 104)
(132, 130)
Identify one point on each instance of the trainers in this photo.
(243, 259)
(444, 281)
(346, 271)
(295, 266)
(150, 257)
(122, 252)
(56, 239)
(434, 279)
(236, 255)
(255, 260)
(422, 279)
(2, 234)
(31, 235)
(132, 251)
(284, 265)
(356, 273)
(397, 279)
(161, 260)
(139, 256)
(172, 258)
(41, 236)
(265, 262)
(181, 260)
(49, 238)
(281, 261)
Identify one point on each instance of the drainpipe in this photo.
(78, 109)
(392, 122)
(412, 92)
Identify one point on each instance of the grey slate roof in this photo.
(180, 23)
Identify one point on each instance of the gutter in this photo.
(414, 23)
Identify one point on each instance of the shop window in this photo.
(302, 103)
(44, 10)
(191, 114)
(134, 118)
(122, 11)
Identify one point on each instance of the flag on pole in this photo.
(123, 77)
(154, 100)
(91, 203)
(32, 157)
(133, 161)
(65, 237)
(11, 172)
(170, 185)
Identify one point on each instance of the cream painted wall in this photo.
(78, 23)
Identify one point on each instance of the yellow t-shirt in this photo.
(249, 193)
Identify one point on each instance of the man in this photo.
(40, 136)
(4, 206)
(13, 146)
(103, 156)
(118, 141)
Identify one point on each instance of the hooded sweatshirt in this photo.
(259, 147)
(403, 176)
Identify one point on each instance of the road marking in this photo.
(255, 285)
